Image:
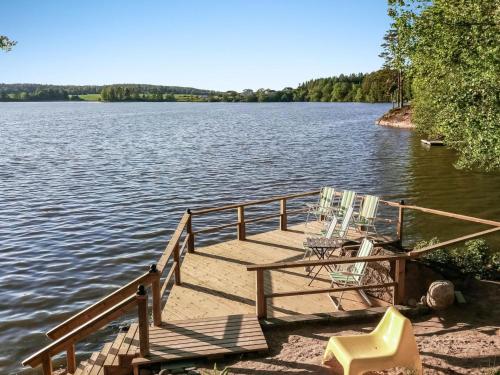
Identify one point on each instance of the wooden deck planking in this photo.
(204, 338)
(215, 281)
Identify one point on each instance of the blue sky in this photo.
(218, 45)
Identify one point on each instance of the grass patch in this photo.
(90, 97)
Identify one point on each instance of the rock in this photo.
(441, 295)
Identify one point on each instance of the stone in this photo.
(441, 294)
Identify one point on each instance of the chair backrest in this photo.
(365, 250)
(393, 326)
(347, 200)
(368, 210)
(344, 227)
(331, 227)
(326, 197)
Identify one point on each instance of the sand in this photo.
(461, 340)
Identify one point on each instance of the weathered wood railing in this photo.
(67, 342)
(242, 221)
(118, 303)
(397, 261)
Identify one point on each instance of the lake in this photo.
(90, 192)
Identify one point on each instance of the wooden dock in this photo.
(211, 300)
(432, 143)
(215, 281)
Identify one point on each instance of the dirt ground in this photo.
(461, 340)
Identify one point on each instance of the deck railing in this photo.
(118, 303)
(261, 297)
(398, 261)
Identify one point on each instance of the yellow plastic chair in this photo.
(390, 344)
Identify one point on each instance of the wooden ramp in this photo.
(203, 338)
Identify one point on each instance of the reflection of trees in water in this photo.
(434, 182)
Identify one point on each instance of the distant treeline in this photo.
(374, 87)
(39, 92)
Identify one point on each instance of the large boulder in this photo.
(440, 295)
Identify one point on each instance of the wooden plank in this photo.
(252, 203)
(179, 338)
(215, 229)
(262, 218)
(205, 327)
(200, 347)
(124, 347)
(81, 332)
(185, 223)
(91, 363)
(168, 278)
(328, 290)
(283, 215)
(99, 307)
(114, 350)
(227, 318)
(231, 290)
(160, 357)
(427, 249)
(241, 223)
(97, 368)
(313, 263)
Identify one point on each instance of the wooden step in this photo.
(98, 368)
(124, 358)
(113, 354)
(90, 363)
(81, 367)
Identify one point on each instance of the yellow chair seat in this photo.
(390, 344)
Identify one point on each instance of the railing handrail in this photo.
(100, 306)
(324, 262)
(83, 330)
(203, 211)
(169, 249)
(443, 213)
(424, 250)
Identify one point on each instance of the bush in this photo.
(475, 258)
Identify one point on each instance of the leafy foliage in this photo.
(456, 74)
(474, 258)
(6, 44)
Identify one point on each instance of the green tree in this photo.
(399, 41)
(456, 74)
(6, 44)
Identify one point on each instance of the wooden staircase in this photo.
(115, 358)
(177, 340)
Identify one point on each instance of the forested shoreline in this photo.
(373, 87)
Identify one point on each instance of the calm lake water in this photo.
(90, 192)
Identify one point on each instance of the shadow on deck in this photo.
(215, 281)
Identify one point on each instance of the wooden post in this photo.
(46, 365)
(177, 270)
(142, 311)
(283, 216)
(399, 274)
(156, 292)
(400, 224)
(241, 223)
(260, 299)
(71, 359)
(189, 230)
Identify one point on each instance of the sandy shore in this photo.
(460, 340)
